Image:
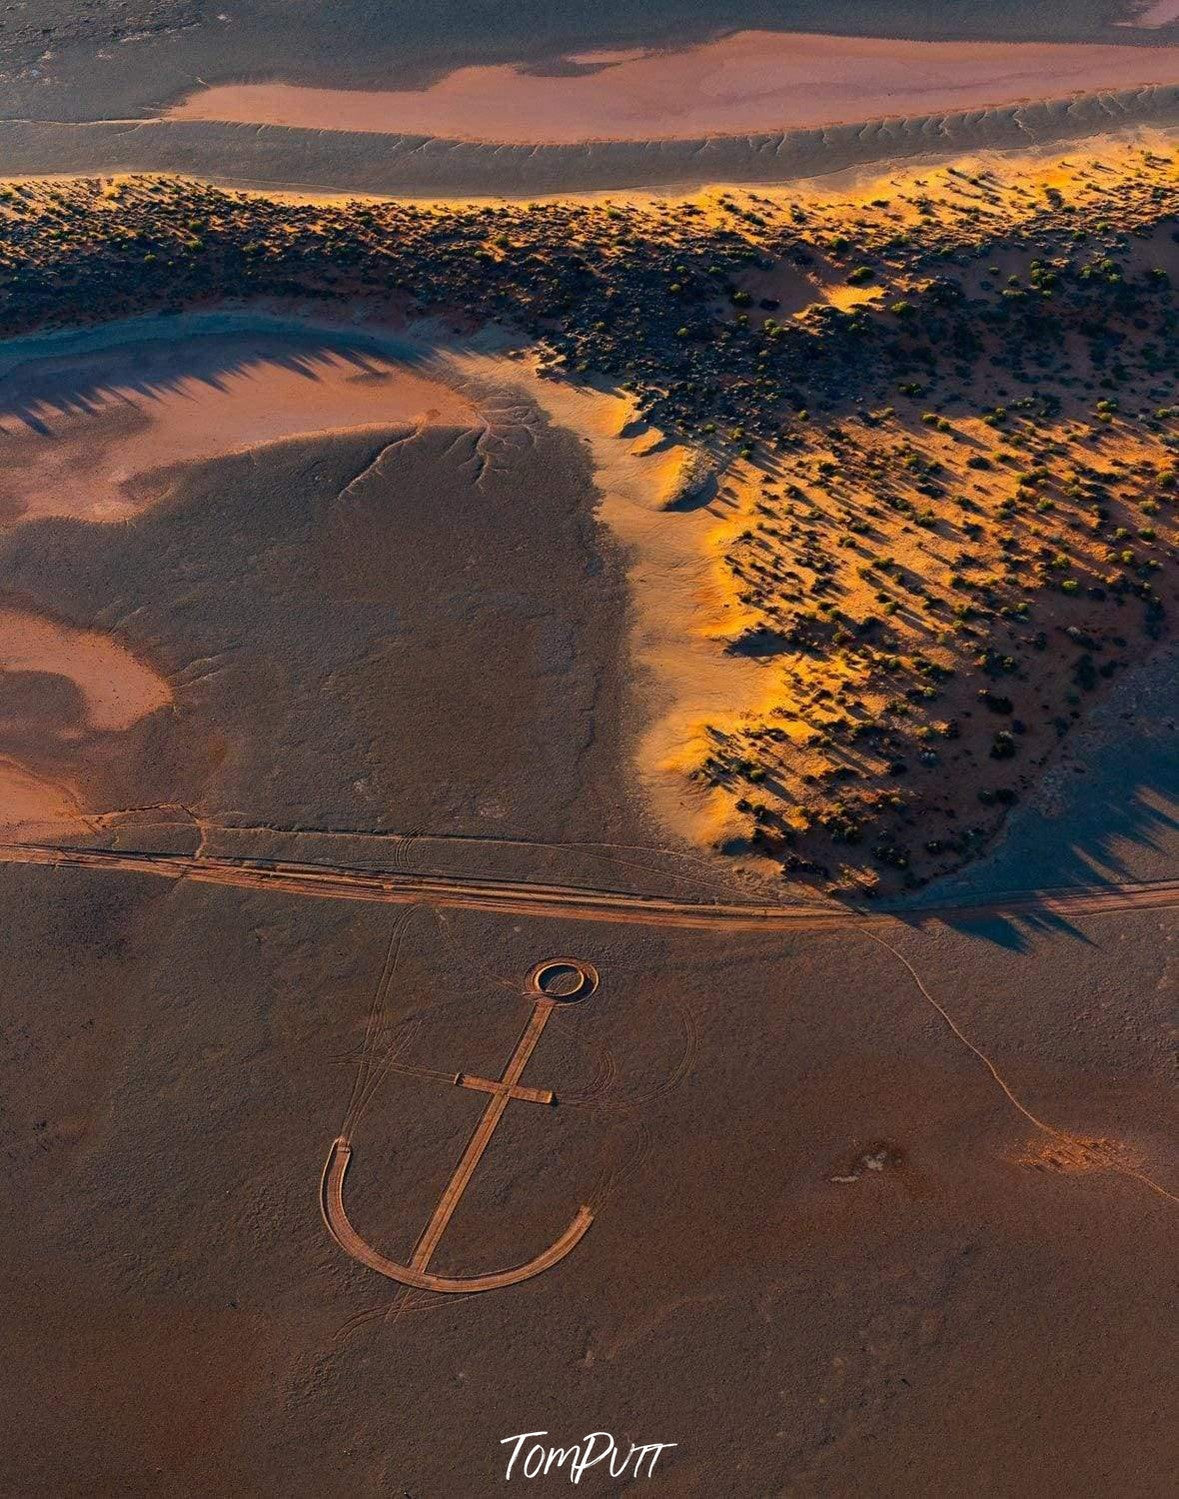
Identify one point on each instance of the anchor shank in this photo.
(481, 1137)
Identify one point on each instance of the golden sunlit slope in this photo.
(921, 429)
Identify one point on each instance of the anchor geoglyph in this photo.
(551, 983)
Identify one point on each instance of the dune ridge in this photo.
(743, 81)
(278, 156)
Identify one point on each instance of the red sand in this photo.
(32, 806)
(749, 81)
(146, 411)
(116, 688)
(99, 438)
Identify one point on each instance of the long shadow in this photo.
(89, 378)
(1120, 816)
(1118, 823)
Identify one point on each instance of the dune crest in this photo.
(658, 501)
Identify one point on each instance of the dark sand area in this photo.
(112, 60)
(1108, 810)
(240, 155)
(828, 1257)
(362, 620)
(831, 1255)
(80, 93)
(752, 81)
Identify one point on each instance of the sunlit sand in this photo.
(683, 611)
(116, 688)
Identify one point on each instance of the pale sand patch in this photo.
(30, 805)
(80, 445)
(95, 430)
(1073, 1154)
(1162, 13)
(117, 689)
(844, 297)
(606, 57)
(750, 81)
(683, 610)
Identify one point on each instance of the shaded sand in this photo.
(408, 165)
(82, 434)
(660, 503)
(60, 685)
(784, 540)
(746, 82)
(98, 427)
(117, 690)
(176, 1067)
(380, 626)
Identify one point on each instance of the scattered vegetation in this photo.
(950, 437)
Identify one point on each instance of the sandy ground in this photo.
(674, 92)
(262, 493)
(340, 161)
(1162, 13)
(751, 81)
(103, 431)
(32, 808)
(96, 436)
(658, 503)
(61, 685)
(116, 690)
(63, 61)
(830, 1254)
(861, 1228)
(99, 437)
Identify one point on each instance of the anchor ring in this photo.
(565, 980)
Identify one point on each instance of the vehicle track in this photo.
(524, 898)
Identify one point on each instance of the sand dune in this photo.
(682, 615)
(751, 81)
(410, 165)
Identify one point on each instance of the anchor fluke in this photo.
(332, 1206)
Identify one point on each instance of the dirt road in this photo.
(522, 898)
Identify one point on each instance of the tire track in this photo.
(579, 903)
